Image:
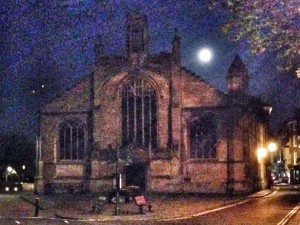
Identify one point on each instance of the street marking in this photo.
(221, 208)
(286, 219)
(66, 221)
(274, 192)
(17, 222)
(218, 209)
(209, 211)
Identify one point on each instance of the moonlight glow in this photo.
(204, 55)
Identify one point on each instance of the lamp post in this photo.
(23, 169)
(37, 159)
(9, 169)
(117, 177)
(262, 168)
(272, 147)
(261, 153)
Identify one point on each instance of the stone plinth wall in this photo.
(61, 178)
(69, 170)
(164, 175)
(102, 176)
(101, 169)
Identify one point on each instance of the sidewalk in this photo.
(79, 206)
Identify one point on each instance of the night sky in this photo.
(46, 46)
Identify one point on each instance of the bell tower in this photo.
(137, 35)
(237, 77)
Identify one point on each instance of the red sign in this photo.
(140, 200)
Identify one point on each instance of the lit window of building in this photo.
(298, 72)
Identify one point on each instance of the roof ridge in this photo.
(198, 77)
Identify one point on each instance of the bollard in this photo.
(150, 208)
(37, 200)
(141, 209)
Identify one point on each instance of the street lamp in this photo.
(261, 153)
(118, 179)
(9, 169)
(23, 169)
(37, 157)
(272, 147)
(117, 209)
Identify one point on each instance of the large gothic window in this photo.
(203, 137)
(71, 141)
(139, 114)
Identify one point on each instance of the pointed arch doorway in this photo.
(136, 175)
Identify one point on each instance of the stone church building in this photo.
(170, 130)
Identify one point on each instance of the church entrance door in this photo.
(136, 175)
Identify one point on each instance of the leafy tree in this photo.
(265, 25)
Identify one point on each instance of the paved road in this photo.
(270, 210)
(279, 208)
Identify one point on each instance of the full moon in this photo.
(204, 55)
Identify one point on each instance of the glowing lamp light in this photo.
(261, 153)
(298, 72)
(272, 147)
(9, 169)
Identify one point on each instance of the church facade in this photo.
(160, 126)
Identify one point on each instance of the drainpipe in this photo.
(230, 130)
(170, 117)
(90, 133)
(37, 157)
(228, 163)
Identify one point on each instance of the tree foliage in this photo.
(265, 25)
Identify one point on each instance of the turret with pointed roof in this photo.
(237, 77)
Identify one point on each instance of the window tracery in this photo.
(71, 140)
(203, 137)
(139, 114)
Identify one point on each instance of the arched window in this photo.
(71, 141)
(139, 114)
(203, 137)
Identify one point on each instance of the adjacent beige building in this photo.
(172, 131)
(290, 151)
